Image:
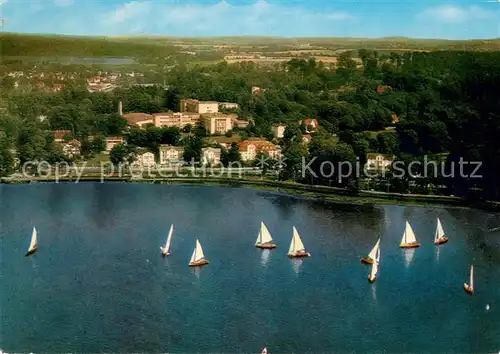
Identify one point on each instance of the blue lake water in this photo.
(99, 284)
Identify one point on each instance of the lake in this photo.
(99, 284)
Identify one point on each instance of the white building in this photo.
(378, 161)
(210, 156)
(229, 105)
(171, 154)
(278, 130)
(146, 159)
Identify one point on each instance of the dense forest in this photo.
(446, 103)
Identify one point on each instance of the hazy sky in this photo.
(460, 19)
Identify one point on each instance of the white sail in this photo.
(34, 240)
(264, 235)
(197, 253)
(409, 235)
(373, 252)
(439, 231)
(374, 270)
(296, 244)
(377, 256)
(169, 239)
(471, 277)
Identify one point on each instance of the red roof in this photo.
(260, 145)
(134, 118)
(60, 134)
(310, 122)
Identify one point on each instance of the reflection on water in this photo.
(34, 263)
(437, 254)
(374, 292)
(264, 257)
(409, 254)
(296, 264)
(197, 272)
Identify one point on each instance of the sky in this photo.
(459, 19)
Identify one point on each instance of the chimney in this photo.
(120, 108)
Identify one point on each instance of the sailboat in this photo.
(469, 288)
(373, 274)
(264, 351)
(297, 247)
(372, 254)
(198, 258)
(439, 237)
(165, 251)
(409, 240)
(34, 243)
(264, 239)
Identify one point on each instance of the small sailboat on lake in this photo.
(197, 258)
(469, 288)
(165, 251)
(264, 239)
(373, 274)
(34, 243)
(297, 249)
(439, 237)
(372, 254)
(264, 351)
(409, 240)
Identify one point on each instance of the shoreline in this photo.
(326, 194)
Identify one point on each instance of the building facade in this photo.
(229, 105)
(378, 161)
(201, 107)
(278, 130)
(210, 156)
(146, 159)
(170, 154)
(218, 123)
(249, 149)
(175, 119)
(138, 119)
(72, 148)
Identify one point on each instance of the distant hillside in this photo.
(157, 47)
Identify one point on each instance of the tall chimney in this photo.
(120, 108)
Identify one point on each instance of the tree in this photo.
(192, 149)
(230, 155)
(119, 154)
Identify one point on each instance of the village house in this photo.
(306, 138)
(201, 107)
(382, 88)
(278, 130)
(378, 161)
(257, 90)
(228, 105)
(72, 148)
(145, 159)
(218, 123)
(311, 125)
(175, 119)
(253, 146)
(59, 135)
(112, 141)
(138, 119)
(210, 156)
(170, 154)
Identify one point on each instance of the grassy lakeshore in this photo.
(319, 193)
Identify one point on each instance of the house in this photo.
(378, 161)
(138, 119)
(253, 146)
(257, 90)
(72, 148)
(170, 154)
(175, 119)
(210, 156)
(59, 135)
(112, 141)
(306, 138)
(146, 159)
(218, 123)
(228, 105)
(395, 118)
(201, 107)
(278, 130)
(239, 123)
(311, 125)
